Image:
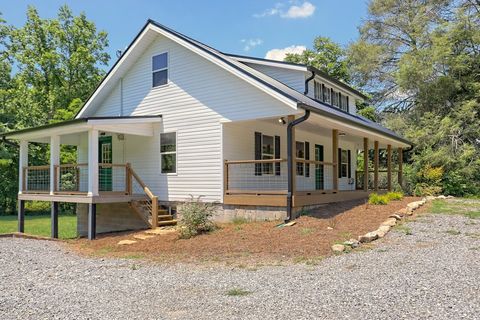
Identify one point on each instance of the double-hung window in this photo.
(300, 148)
(160, 69)
(326, 94)
(344, 103)
(168, 152)
(268, 153)
(344, 164)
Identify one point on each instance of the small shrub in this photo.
(196, 217)
(391, 196)
(239, 220)
(375, 198)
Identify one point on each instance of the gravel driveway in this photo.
(434, 273)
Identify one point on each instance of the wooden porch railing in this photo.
(152, 203)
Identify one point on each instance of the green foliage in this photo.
(196, 218)
(382, 199)
(377, 199)
(326, 56)
(420, 60)
(238, 292)
(48, 68)
(393, 196)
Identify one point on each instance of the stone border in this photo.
(385, 226)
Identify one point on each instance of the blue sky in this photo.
(246, 27)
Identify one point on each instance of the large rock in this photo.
(395, 216)
(352, 243)
(442, 197)
(338, 248)
(384, 228)
(429, 198)
(380, 233)
(389, 222)
(368, 237)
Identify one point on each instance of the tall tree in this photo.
(326, 56)
(421, 62)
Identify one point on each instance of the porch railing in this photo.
(73, 178)
(270, 176)
(382, 179)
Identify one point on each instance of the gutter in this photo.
(290, 156)
(307, 81)
(10, 143)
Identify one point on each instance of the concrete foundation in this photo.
(111, 217)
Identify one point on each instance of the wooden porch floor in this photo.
(80, 198)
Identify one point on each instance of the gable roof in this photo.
(264, 82)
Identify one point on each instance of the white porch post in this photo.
(93, 162)
(54, 161)
(22, 162)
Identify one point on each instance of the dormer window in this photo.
(160, 69)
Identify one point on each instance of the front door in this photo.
(105, 156)
(319, 175)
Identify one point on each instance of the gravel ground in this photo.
(434, 273)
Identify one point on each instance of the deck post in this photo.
(21, 216)
(22, 163)
(92, 221)
(335, 159)
(54, 219)
(400, 166)
(375, 166)
(54, 162)
(92, 163)
(389, 168)
(365, 164)
(154, 212)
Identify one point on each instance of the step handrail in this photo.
(131, 174)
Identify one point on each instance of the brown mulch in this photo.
(257, 242)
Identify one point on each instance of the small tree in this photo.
(196, 217)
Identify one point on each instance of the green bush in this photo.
(196, 218)
(376, 198)
(394, 196)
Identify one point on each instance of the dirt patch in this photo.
(257, 242)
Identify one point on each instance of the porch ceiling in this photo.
(70, 131)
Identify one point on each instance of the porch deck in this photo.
(81, 197)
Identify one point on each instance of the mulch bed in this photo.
(256, 242)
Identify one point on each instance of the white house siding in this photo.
(239, 144)
(199, 96)
(293, 78)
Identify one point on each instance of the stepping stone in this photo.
(160, 231)
(143, 236)
(126, 242)
(338, 248)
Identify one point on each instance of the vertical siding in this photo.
(199, 96)
(239, 145)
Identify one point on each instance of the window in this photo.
(317, 86)
(168, 152)
(344, 103)
(268, 152)
(326, 94)
(300, 146)
(160, 69)
(335, 98)
(344, 164)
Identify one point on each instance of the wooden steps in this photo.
(171, 222)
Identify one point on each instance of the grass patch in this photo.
(239, 220)
(470, 209)
(306, 231)
(453, 232)
(40, 225)
(312, 261)
(404, 229)
(236, 292)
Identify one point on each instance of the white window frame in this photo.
(161, 69)
(273, 155)
(317, 90)
(344, 103)
(169, 152)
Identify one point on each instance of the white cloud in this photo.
(280, 54)
(305, 10)
(251, 43)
